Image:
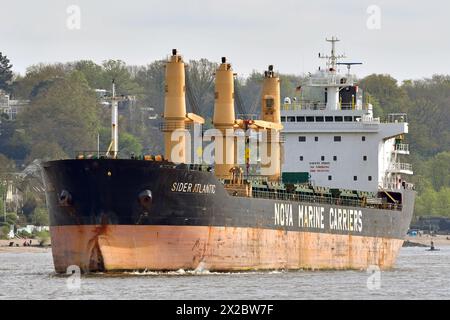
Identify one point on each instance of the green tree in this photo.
(6, 74)
(67, 113)
(250, 89)
(426, 203)
(40, 217)
(4, 230)
(117, 70)
(429, 115)
(385, 89)
(442, 206)
(38, 77)
(152, 78)
(200, 77)
(94, 74)
(438, 169)
(14, 143)
(6, 167)
(46, 150)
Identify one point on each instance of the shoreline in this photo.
(35, 249)
(18, 246)
(438, 240)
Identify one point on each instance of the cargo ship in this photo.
(167, 212)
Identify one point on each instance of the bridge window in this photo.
(319, 119)
(328, 119)
(338, 119)
(364, 158)
(334, 158)
(283, 119)
(316, 139)
(301, 158)
(369, 178)
(363, 138)
(301, 139)
(309, 119)
(355, 178)
(290, 119)
(322, 158)
(337, 138)
(300, 119)
(329, 177)
(348, 118)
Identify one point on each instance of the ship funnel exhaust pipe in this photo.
(224, 120)
(176, 144)
(175, 109)
(270, 112)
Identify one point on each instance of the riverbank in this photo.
(438, 240)
(18, 246)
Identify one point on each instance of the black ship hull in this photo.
(111, 215)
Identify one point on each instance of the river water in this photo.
(418, 274)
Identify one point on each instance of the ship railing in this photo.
(247, 116)
(100, 154)
(168, 126)
(395, 184)
(92, 154)
(367, 118)
(397, 118)
(199, 167)
(333, 80)
(400, 166)
(256, 178)
(287, 196)
(409, 186)
(297, 106)
(401, 147)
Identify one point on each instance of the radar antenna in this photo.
(349, 65)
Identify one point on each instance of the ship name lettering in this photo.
(345, 219)
(187, 187)
(311, 217)
(283, 214)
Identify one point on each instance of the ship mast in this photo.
(113, 149)
(330, 81)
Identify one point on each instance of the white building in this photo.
(336, 139)
(9, 107)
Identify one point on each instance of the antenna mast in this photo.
(113, 149)
(333, 58)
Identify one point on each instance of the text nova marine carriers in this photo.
(315, 208)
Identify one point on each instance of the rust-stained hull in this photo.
(115, 248)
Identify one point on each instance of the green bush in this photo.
(40, 216)
(24, 234)
(42, 236)
(4, 230)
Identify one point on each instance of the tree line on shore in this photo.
(64, 115)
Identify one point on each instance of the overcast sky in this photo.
(412, 41)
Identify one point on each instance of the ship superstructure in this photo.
(333, 138)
